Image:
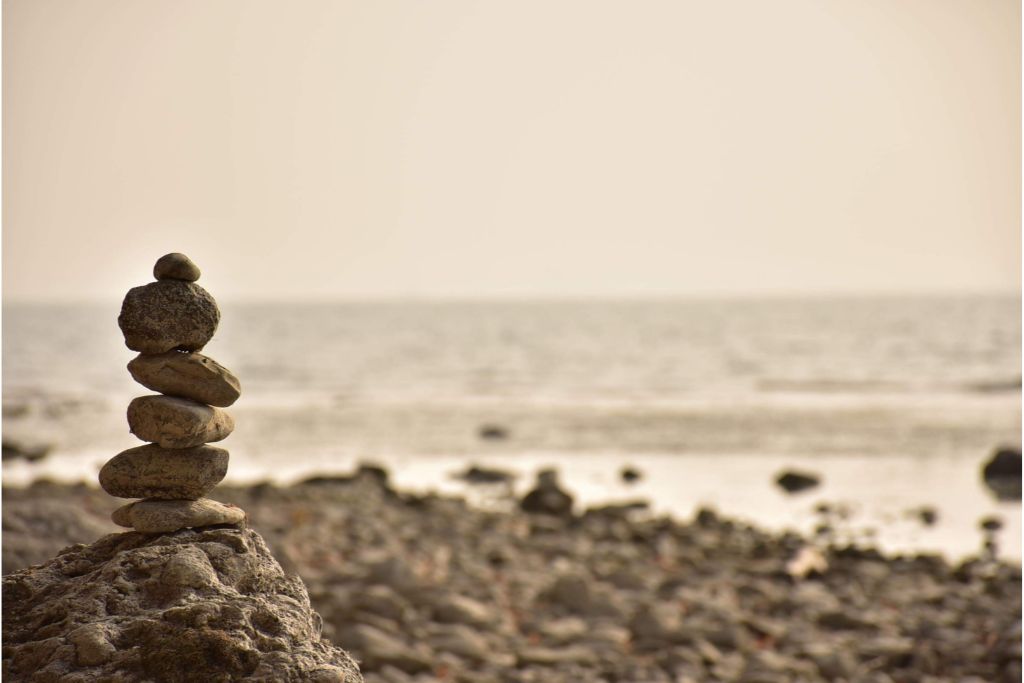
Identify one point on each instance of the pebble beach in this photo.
(432, 588)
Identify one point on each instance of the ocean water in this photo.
(895, 401)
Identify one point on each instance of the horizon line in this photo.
(560, 298)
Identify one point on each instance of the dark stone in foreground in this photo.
(793, 482)
(1002, 474)
(190, 606)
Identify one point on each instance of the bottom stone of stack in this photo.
(161, 516)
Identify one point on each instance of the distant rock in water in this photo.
(927, 515)
(493, 432)
(792, 481)
(485, 475)
(547, 497)
(1002, 474)
(15, 450)
(631, 474)
(991, 523)
(209, 604)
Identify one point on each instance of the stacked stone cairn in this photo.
(168, 322)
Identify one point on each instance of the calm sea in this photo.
(679, 385)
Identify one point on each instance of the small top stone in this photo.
(176, 267)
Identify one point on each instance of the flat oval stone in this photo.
(166, 315)
(161, 516)
(165, 473)
(176, 267)
(188, 375)
(177, 422)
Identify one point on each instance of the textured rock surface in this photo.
(167, 315)
(211, 605)
(176, 266)
(189, 375)
(177, 422)
(154, 516)
(154, 472)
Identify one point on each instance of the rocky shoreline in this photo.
(429, 588)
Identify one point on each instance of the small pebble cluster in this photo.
(168, 322)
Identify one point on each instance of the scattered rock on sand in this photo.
(792, 481)
(1002, 474)
(177, 422)
(166, 473)
(176, 267)
(188, 375)
(485, 475)
(166, 315)
(195, 605)
(155, 516)
(547, 497)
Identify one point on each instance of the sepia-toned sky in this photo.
(343, 148)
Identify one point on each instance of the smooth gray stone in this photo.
(189, 375)
(176, 266)
(177, 422)
(161, 516)
(165, 473)
(167, 315)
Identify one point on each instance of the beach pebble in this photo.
(379, 649)
(188, 375)
(176, 267)
(155, 516)
(165, 473)
(167, 315)
(177, 422)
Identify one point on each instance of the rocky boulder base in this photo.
(195, 605)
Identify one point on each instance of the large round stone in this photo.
(157, 516)
(165, 473)
(176, 267)
(166, 315)
(189, 375)
(177, 422)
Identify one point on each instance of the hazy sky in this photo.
(529, 148)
